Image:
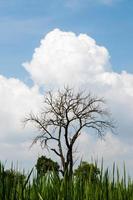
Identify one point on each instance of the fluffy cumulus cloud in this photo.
(77, 60)
(64, 58)
(16, 100)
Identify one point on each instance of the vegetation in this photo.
(108, 187)
(45, 165)
(64, 116)
(88, 172)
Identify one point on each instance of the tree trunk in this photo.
(69, 166)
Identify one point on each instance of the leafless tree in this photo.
(62, 119)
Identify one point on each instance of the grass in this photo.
(110, 186)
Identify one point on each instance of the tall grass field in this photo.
(110, 186)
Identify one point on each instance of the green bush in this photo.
(45, 165)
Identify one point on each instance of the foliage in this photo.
(45, 165)
(87, 171)
(109, 187)
(13, 175)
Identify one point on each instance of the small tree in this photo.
(88, 172)
(45, 165)
(64, 116)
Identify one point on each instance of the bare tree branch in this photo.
(64, 116)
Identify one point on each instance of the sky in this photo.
(46, 44)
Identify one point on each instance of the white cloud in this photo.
(64, 58)
(112, 150)
(17, 100)
(20, 154)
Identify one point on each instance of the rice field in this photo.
(110, 186)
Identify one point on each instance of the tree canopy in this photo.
(87, 171)
(45, 165)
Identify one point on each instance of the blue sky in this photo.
(23, 23)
